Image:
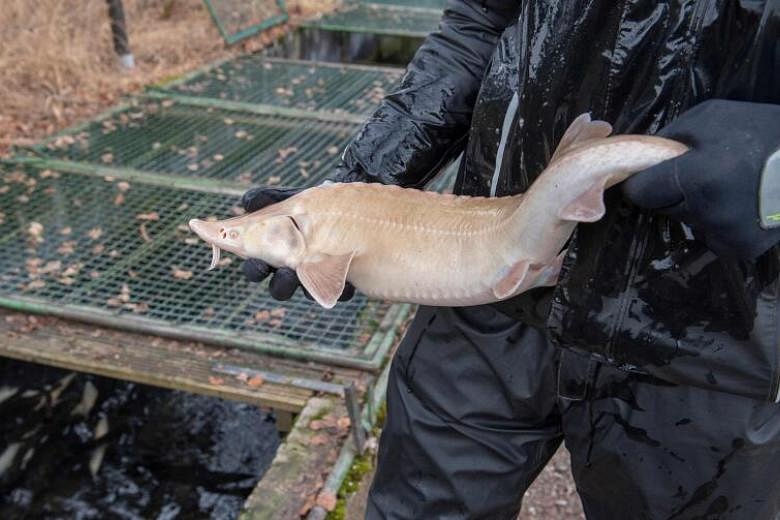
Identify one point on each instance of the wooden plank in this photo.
(159, 362)
(289, 487)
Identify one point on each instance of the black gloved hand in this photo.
(716, 186)
(284, 281)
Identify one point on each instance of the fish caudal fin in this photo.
(325, 277)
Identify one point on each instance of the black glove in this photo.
(715, 187)
(284, 281)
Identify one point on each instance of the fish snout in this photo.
(211, 232)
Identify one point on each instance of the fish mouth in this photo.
(205, 230)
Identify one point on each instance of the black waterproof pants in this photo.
(477, 404)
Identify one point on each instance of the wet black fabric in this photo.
(637, 288)
(478, 403)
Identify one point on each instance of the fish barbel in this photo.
(406, 245)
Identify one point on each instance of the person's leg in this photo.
(645, 449)
(471, 417)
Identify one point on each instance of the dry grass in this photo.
(58, 66)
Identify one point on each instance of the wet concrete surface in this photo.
(81, 447)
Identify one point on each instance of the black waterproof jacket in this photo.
(636, 289)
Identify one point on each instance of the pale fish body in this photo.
(407, 245)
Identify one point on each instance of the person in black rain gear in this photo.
(656, 357)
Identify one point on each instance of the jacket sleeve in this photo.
(422, 125)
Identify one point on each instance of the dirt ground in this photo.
(58, 66)
(552, 496)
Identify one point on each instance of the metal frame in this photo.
(231, 39)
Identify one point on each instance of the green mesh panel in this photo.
(73, 241)
(243, 149)
(238, 19)
(293, 84)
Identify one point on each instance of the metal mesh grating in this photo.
(294, 84)
(111, 248)
(415, 4)
(240, 148)
(238, 19)
(379, 19)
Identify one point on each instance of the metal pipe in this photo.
(116, 14)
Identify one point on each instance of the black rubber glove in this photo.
(284, 281)
(715, 187)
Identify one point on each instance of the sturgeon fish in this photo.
(406, 245)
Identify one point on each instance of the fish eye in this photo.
(233, 234)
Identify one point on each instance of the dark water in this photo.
(166, 454)
(346, 47)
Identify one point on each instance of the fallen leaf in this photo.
(256, 381)
(95, 233)
(192, 167)
(240, 134)
(274, 179)
(107, 158)
(332, 150)
(191, 241)
(144, 233)
(123, 186)
(35, 284)
(208, 312)
(218, 157)
(216, 381)
(152, 216)
(319, 439)
(98, 249)
(242, 376)
(261, 316)
(342, 423)
(50, 267)
(278, 312)
(119, 199)
(35, 229)
(67, 247)
(327, 500)
(65, 231)
(286, 152)
(181, 274)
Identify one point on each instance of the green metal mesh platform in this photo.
(93, 220)
(417, 4)
(120, 253)
(239, 19)
(380, 19)
(237, 149)
(290, 83)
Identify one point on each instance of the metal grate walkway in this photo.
(93, 220)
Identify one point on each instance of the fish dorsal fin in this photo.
(580, 130)
(325, 277)
(588, 207)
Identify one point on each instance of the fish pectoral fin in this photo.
(325, 277)
(582, 129)
(588, 207)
